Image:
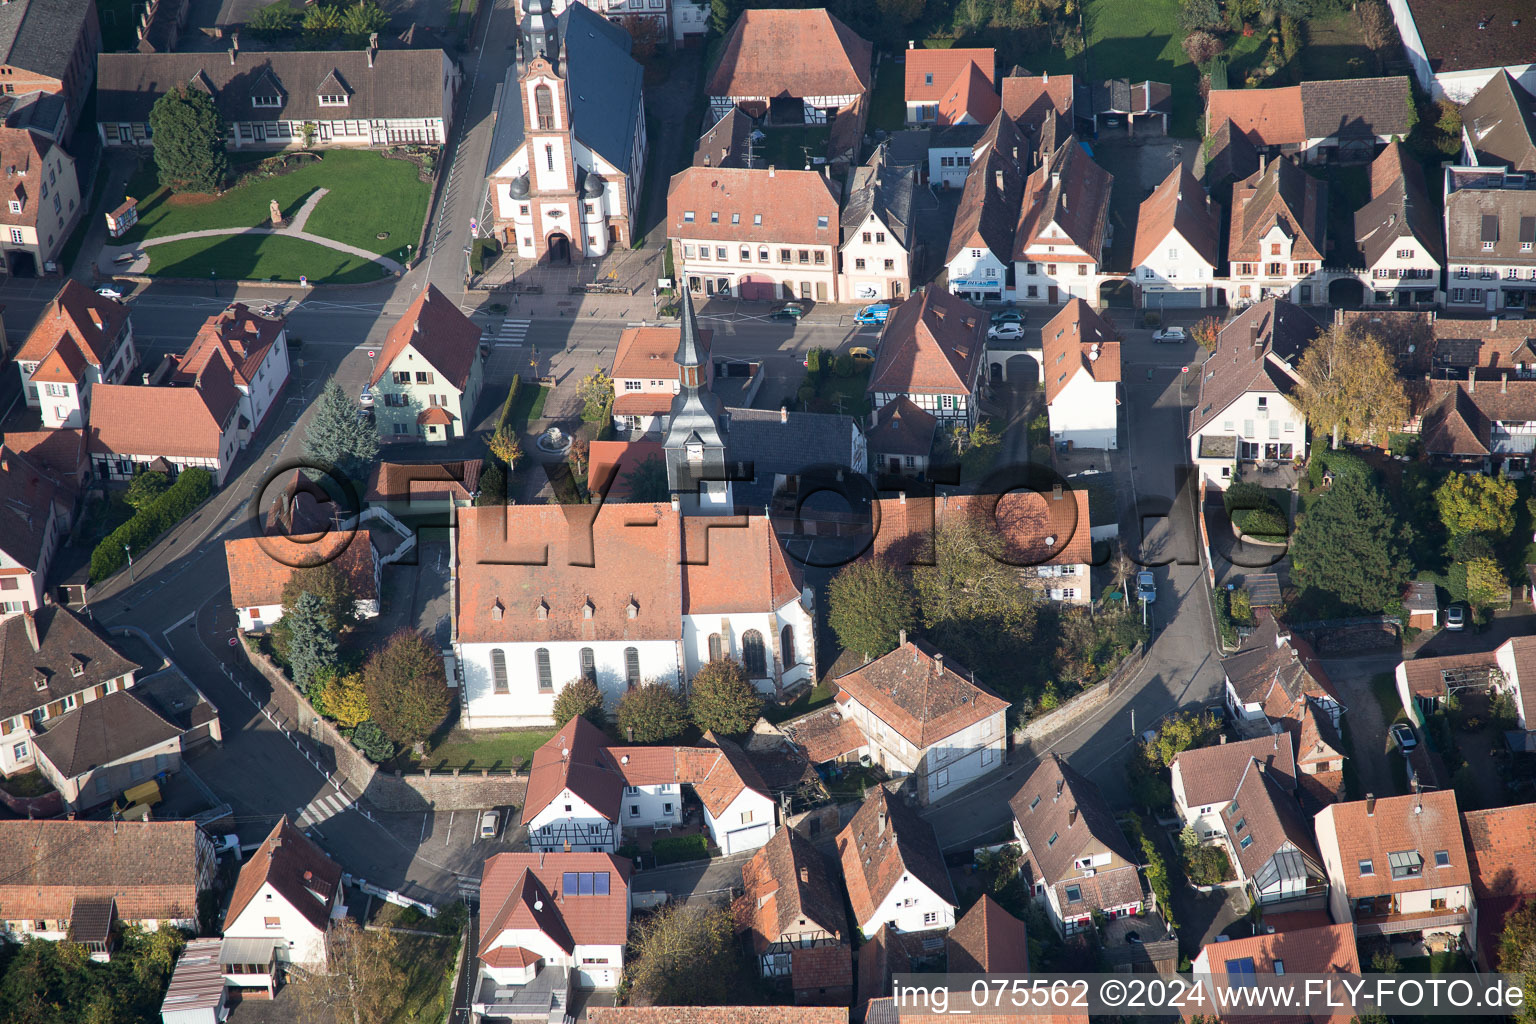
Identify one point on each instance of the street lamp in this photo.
(129, 553)
(213, 275)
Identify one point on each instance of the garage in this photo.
(1189, 298)
(755, 288)
(749, 838)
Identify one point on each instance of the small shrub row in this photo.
(190, 490)
(678, 849)
(505, 419)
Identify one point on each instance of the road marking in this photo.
(180, 622)
(321, 808)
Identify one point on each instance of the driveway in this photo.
(1367, 727)
(693, 879)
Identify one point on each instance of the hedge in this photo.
(189, 491)
(506, 407)
(680, 849)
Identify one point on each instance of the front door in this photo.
(1050, 295)
(895, 464)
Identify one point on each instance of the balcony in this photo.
(542, 999)
(1373, 923)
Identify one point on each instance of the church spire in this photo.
(695, 445)
(689, 359)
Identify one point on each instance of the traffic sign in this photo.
(474, 226)
(303, 281)
(1184, 370)
(371, 354)
(233, 642)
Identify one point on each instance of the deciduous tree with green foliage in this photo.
(338, 435)
(362, 19)
(145, 487)
(1477, 504)
(274, 21)
(684, 955)
(189, 141)
(407, 688)
(343, 697)
(581, 696)
(596, 394)
(722, 700)
(869, 603)
(322, 24)
(1517, 953)
(971, 604)
(652, 713)
(1351, 544)
(331, 584)
(1486, 583)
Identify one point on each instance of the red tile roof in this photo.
(1211, 774)
(1027, 99)
(296, 868)
(789, 202)
(149, 867)
(825, 734)
(1280, 194)
(728, 568)
(423, 481)
(971, 95)
(918, 693)
(1079, 340)
(1178, 204)
(988, 210)
(435, 415)
(239, 337)
(786, 882)
(59, 453)
(647, 353)
(884, 1011)
(23, 152)
(1426, 822)
(821, 967)
(931, 345)
(1070, 191)
(90, 320)
(618, 459)
(1268, 117)
(1024, 521)
(1326, 950)
(1501, 844)
(181, 422)
(718, 1015)
(802, 53)
(259, 567)
(511, 884)
(942, 67)
(988, 940)
(882, 843)
(438, 330)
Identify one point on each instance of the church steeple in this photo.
(539, 34)
(695, 442)
(689, 359)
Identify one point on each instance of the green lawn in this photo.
(528, 406)
(680, 849)
(506, 748)
(888, 105)
(1335, 49)
(369, 194)
(252, 257)
(428, 964)
(817, 696)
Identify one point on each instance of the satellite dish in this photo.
(538, 904)
(1050, 542)
(624, 759)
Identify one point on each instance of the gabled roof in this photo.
(1028, 100)
(1355, 107)
(1458, 415)
(929, 73)
(237, 336)
(970, 95)
(426, 482)
(932, 345)
(988, 940)
(1121, 96)
(1179, 205)
(1501, 845)
(1399, 209)
(1282, 195)
(785, 885)
(1070, 191)
(575, 758)
(880, 189)
(994, 187)
(901, 428)
(296, 868)
(645, 353)
(734, 569)
(260, 567)
(1500, 121)
(179, 421)
(718, 1014)
(49, 645)
(1282, 841)
(1327, 949)
(1056, 801)
(89, 320)
(58, 454)
(1078, 340)
(30, 497)
(439, 332)
(800, 53)
(41, 36)
(1233, 157)
(1212, 774)
(1373, 829)
(1256, 351)
(884, 841)
(1267, 117)
(513, 884)
(790, 204)
(102, 731)
(26, 151)
(1275, 660)
(919, 693)
(150, 867)
(1030, 528)
(728, 143)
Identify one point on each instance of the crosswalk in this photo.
(322, 807)
(509, 335)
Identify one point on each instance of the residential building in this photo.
(1081, 363)
(260, 567)
(282, 99)
(1246, 408)
(1498, 129)
(1397, 234)
(925, 719)
(879, 230)
(196, 992)
(930, 353)
(785, 456)
(429, 372)
(1321, 949)
(1499, 843)
(195, 424)
(979, 260)
(50, 46)
(947, 152)
(1454, 56)
(582, 792)
(1077, 862)
(664, 21)
(900, 438)
(719, 1015)
(1485, 428)
(288, 894)
(894, 869)
(1060, 240)
(1517, 658)
(646, 377)
(1178, 233)
(424, 490)
(954, 86)
(551, 923)
(1233, 156)
(1039, 104)
(567, 162)
(52, 661)
(81, 339)
(755, 234)
(988, 940)
(1490, 232)
(1424, 683)
(730, 143)
(791, 906)
(793, 66)
(60, 454)
(1272, 679)
(1270, 842)
(1139, 108)
(1319, 121)
(142, 873)
(1319, 757)
(1397, 865)
(254, 348)
(42, 197)
(36, 510)
(1278, 235)
(1205, 779)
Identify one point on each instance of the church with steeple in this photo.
(568, 151)
(697, 467)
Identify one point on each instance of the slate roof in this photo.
(1070, 191)
(801, 53)
(884, 190)
(65, 642)
(1274, 663)
(1179, 205)
(1255, 351)
(26, 492)
(1456, 41)
(884, 841)
(1212, 774)
(1501, 122)
(901, 428)
(436, 329)
(296, 868)
(40, 36)
(1062, 814)
(921, 694)
(994, 186)
(727, 143)
(149, 867)
(1075, 340)
(988, 940)
(102, 731)
(788, 201)
(186, 421)
(401, 83)
(1355, 107)
(1399, 209)
(785, 882)
(1280, 194)
(1425, 823)
(1504, 217)
(511, 884)
(930, 345)
(259, 567)
(768, 444)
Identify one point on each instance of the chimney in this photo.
(373, 46)
(882, 822)
(998, 176)
(938, 664)
(31, 627)
(1472, 381)
(1055, 179)
(1056, 491)
(232, 55)
(1072, 817)
(1059, 783)
(901, 497)
(770, 170)
(783, 414)
(1046, 77)
(1223, 737)
(805, 875)
(1253, 333)
(1370, 805)
(309, 876)
(903, 638)
(629, 734)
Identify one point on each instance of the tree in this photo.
(1486, 585)
(1199, 14)
(1477, 504)
(1200, 46)
(1517, 953)
(1178, 733)
(344, 698)
(1376, 26)
(309, 638)
(337, 434)
(370, 739)
(505, 446)
(189, 141)
(145, 487)
(274, 21)
(596, 394)
(579, 455)
(581, 696)
(652, 713)
(1350, 387)
(322, 24)
(1205, 332)
(684, 955)
(981, 436)
(869, 604)
(330, 583)
(648, 481)
(407, 690)
(645, 36)
(1351, 544)
(361, 20)
(361, 980)
(1448, 126)
(722, 700)
(493, 486)
(970, 601)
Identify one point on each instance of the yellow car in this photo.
(861, 356)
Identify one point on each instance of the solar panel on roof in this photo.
(600, 883)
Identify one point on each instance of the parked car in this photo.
(1402, 735)
(788, 311)
(1456, 616)
(861, 356)
(489, 822)
(366, 398)
(1218, 712)
(1169, 334)
(1146, 586)
(1008, 316)
(110, 292)
(1006, 332)
(875, 314)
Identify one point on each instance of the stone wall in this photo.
(1039, 732)
(294, 713)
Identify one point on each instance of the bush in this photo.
(1201, 46)
(581, 696)
(677, 849)
(145, 487)
(484, 252)
(652, 713)
(505, 419)
(190, 490)
(1203, 864)
(370, 739)
(1265, 522)
(842, 365)
(814, 359)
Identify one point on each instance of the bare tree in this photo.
(360, 982)
(1377, 27)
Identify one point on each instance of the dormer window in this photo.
(266, 101)
(15, 205)
(541, 610)
(77, 666)
(587, 609)
(333, 100)
(40, 681)
(496, 611)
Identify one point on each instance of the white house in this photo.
(177, 426)
(1205, 778)
(549, 923)
(931, 353)
(1245, 408)
(646, 377)
(951, 86)
(879, 225)
(1077, 858)
(1278, 235)
(289, 891)
(428, 375)
(81, 339)
(1448, 62)
(1273, 679)
(1511, 655)
(1398, 234)
(254, 348)
(980, 254)
(1081, 364)
(925, 718)
(894, 869)
(1063, 228)
(1178, 233)
(949, 154)
(259, 568)
(1490, 230)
